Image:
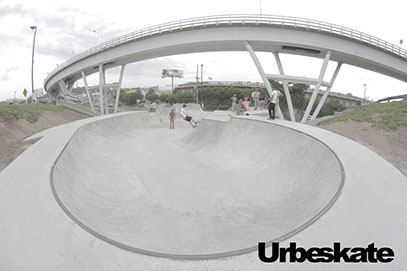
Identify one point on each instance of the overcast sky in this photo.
(65, 28)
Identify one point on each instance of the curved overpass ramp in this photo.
(229, 33)
(250, 33)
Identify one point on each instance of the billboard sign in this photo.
(172, 73)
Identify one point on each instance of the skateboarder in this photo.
(186, 117)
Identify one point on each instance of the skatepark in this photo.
(122, 191)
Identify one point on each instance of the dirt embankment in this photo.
(391, 145)
(13, 131)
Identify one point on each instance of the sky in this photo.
(65, 28)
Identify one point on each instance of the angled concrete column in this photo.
(286, 89)
(92, 108)
(70, 87)
(322, 101)
(262, 74)
(116, 104)
(317, 87)
(101, 89)
(63, 88)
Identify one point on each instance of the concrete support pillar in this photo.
(116, 104)
(286, 89)
(322, 101)
(317, 87)
(70, 87)
(105, 93)
(101, 89)
(63, 88)
(92, 108)
(262, 74)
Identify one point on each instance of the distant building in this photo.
(39, 92)
(143, 90)
(191, 86)
(165, 92)
(348, 100)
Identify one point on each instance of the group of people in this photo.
(242, 105)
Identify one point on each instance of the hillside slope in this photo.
(14, 128)
(380, 127)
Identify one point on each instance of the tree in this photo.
(297, 97)
(122, 97)
(330, 107)
(151, 97)
(132, 97)
(163, 98)
(150, 91)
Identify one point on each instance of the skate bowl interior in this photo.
(209, 192)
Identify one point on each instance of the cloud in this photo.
(60, 32)
(152, 67)
(5, 75)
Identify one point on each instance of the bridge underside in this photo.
(259, 39)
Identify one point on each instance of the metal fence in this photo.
(233, 20)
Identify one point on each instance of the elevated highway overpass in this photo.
(252, 33)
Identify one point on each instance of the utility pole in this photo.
(32, 65)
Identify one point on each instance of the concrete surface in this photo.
(90, 193)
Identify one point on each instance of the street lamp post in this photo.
(101, 36)
(32, 64)
(201, 83)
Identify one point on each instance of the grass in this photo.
(386, 116)
(30, 112)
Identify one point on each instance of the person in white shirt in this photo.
(186, 117)
(272, 104)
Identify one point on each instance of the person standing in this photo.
(272, 104)
(234, 102)
(171, 116)
(256, 98)
(246, 100)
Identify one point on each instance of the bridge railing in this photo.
(230, 20)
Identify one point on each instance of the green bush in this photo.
(152, 97)
(131, 98)
(330, 107)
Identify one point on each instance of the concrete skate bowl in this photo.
(204, 193)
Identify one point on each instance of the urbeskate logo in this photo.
(336, 254)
